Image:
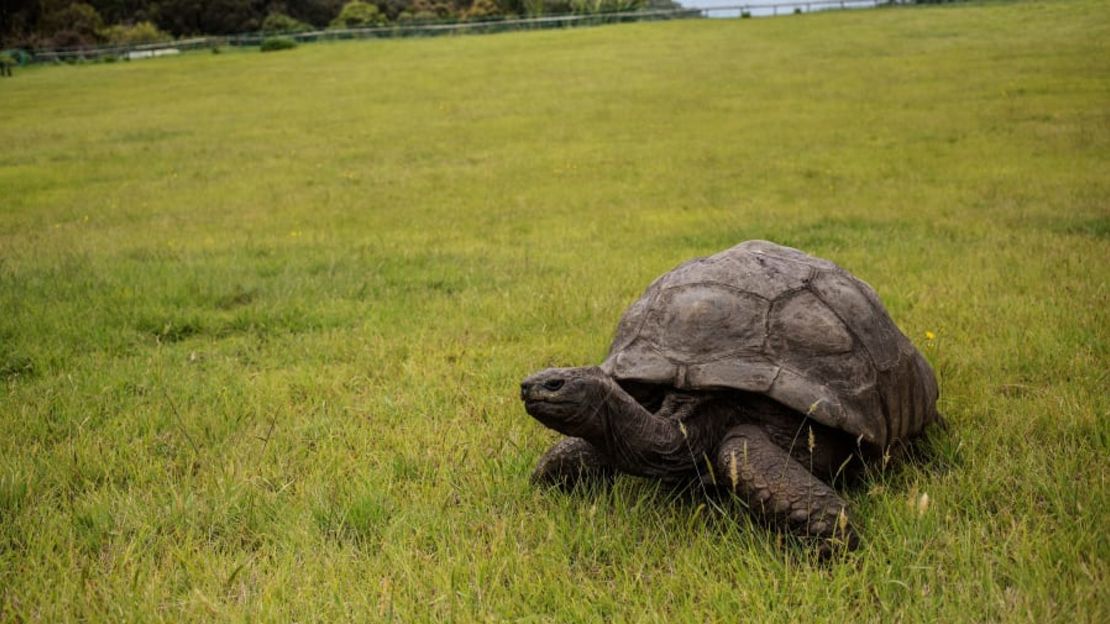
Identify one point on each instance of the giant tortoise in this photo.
(760, 370)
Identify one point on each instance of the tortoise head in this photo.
(566, 399)
(589, 404)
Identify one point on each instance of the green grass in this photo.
(264, 316)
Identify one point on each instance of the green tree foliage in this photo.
(359, 14)
(125, 11)
(319, 13)
(57, 23)
(18, 19)
(610, 6)
(280, 22)
(209, 17)
(73, 25)
(484, 10)
(142, 32)
(393, 8)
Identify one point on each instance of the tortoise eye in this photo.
(553, 384)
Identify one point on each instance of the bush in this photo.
(483, 10)
(421, 17)
(142, 32)
(618, 6)
(70, 39)
(358, 14)
(280, 22)
(272, 44)
(7, 62)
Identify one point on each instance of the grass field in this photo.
(264, 315)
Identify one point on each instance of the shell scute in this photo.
(801, 323)
(700, 322)
(753, 374)
(862, 314)
(640, 360)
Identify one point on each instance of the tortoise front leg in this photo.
(572, 461)
(780, 489)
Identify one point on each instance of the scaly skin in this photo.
(756, 455)
(779, 488)
(585, 403)
(570, 462)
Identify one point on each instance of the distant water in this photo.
(781, 7)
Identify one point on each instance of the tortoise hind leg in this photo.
(780, 489)
(572, 461)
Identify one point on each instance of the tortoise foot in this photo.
(572, 462)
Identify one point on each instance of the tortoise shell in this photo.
(764, 318)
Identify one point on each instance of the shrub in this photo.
(483, 10)
(618, 6)
(280, 22)
(69, 39)
(272, 44)
(142, 32)
(358, 14)
(421, 17)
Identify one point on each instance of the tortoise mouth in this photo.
(530, 403)
(550, 415)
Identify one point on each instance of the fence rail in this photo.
(788, 7)
(149, 50)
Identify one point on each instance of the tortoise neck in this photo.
(636, 440)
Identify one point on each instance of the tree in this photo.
(18, 19)
(280, 22)
(210, 17)
(319, 13)
(358, 14)
(142, 32)
(77, 24)
(483, 9)
(124, 11)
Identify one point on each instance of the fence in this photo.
(427, 29)
(785, 7)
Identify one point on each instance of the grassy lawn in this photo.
(263, 316)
